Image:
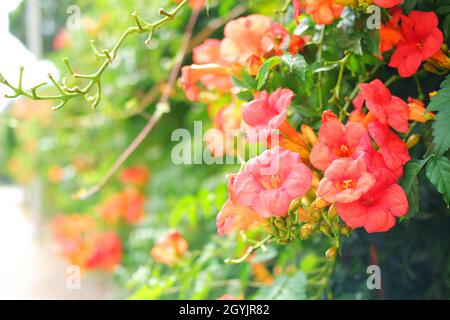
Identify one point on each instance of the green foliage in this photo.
(410, 184)
(285, 287)
(188, 197)
(440, 103)
(438, 172)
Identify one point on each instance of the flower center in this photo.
(344, 151)
(345, 184)
(270, 182)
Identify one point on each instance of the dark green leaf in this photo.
(264, 70)
(441, 135)
(441, 103)
(285, 288)
(410, 184)
(443, 10)
(442, 99)
(438, 172)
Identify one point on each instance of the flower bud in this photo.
(303, 215)
(289, 221)
(295, 204)
(336, 225)
(429, 116)
(325, 230)
(273, 229)
(332, 213)
(331, 253)
(346, 231)
(316, 216)
(280, 223)
(309, 135)
(315, 181)
(306, 230)
(319, 203)
(283, 233)
(2, 78)
(412, 140)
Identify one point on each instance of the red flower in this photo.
(421, 40)
(169, 248)
(385, 107)
(322, 11)
(220, 139)
(376, 210)
(387, 3)
(234, 217)
(390, 33)
(391, 147)
(82, 245)
(376, 165)
(335, 141)
(106, 252)
(126, 206)
(417, 111)
(345, 180)
(296, 44)
(137, 175)
(266, 112)
(249, 40)
(61, 40)
(269, 182)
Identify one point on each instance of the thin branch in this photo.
(66, 93)
(250, 250)
(162, 107)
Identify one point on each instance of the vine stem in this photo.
(337, 88)
(161, 109)
(66, 93)
(356, 89)
(319, 58)
(249, 251)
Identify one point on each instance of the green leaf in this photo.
(264, 70)
(285, 288)
(245, 95)
(326, 68)
(441, 103)
(441, 135)
(296, 63)
(446, 27)
(442, 99)
(246, 81)
(438, 172)
(443, 10)
(410, 184)
(371, 42)
(307, 112)
(409, 5)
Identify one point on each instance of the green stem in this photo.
(419, 88)
(249, 251)
(356, 89)
(337, 89)
(68, 93)
(319, 59)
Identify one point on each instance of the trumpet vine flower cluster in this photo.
(333, 176)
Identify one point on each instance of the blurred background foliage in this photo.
(73, 148)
